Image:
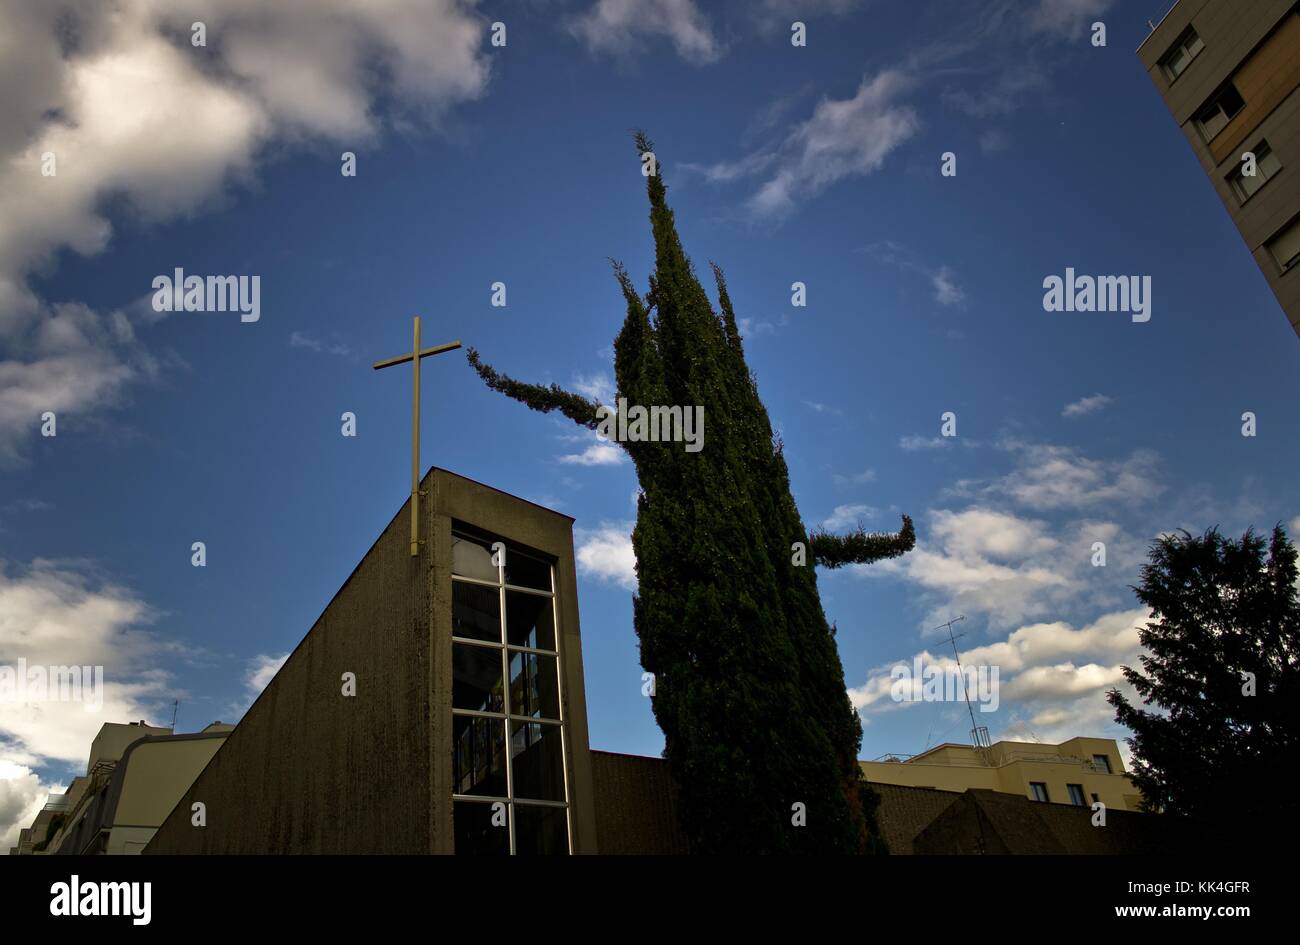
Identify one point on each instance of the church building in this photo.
(436, 706)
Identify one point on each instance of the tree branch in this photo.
(581, 410)
(861, 546)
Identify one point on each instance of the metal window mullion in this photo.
(505, 705)
(564, 735)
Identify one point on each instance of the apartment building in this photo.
(1228, 71)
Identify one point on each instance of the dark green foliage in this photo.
(749, 689)
(1219, 609)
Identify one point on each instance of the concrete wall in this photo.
(636, 805)
(308, 770)
(1253, 43)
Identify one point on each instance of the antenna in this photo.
(979, 734)
(176, 705)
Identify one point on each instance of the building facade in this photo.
(1079, 772)
(135, 775)
(436, 706)
(1228, 71)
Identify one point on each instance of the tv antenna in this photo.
(979, 733)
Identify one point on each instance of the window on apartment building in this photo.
(1038, 791)
(1266, 165)
(509, 784)
(1076, 795)
(1219, 110)
(1285, 246)
(1178, 58)
(1101, 762)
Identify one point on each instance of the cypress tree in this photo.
(749, 689)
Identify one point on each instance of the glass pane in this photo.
(476, 678)
(481, 827)
(478, 756)
(1268, 163)
(541, 830)
(534, 688)
(475, 611)
(537, 755)
(525, 571)
(472, 557)
(1194, 44)
(530, 621)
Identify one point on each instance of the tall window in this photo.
(509, 790)
(1178, 58)
(1101, 763)
(1076, 794)
(1038, 791)
(1266, 165)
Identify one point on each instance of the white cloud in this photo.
(848, 516)
(856, 479)
(55, 614)
(261, 670)
(303, 339)
(1059, 477)
(101, 85)
(913, 442)
(1066, 18)
(618, 27)
(605, 553)
(597, 454)
(943, 280)
(22, 795)
(823, 408)
(1086, 405)
(946, 290)
(598, 387)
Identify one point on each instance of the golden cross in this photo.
(414, 357)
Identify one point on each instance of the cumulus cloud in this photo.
(136, 117)
(1054, 673)
(848, 516)
(1060, 477)
(22, 795)
(605, 554)
(619, 27)
(57, 614)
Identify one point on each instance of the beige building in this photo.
(134, 776)
(1079, 772)
(1228, 71)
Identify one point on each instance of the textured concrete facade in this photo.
(1255, 45)
(309, 770)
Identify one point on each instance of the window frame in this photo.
(1235, 178)
(508, 718)
(1215, 100)
(1033, 791)
(1077, 798)
(1105, 763)
(1291, 264)
(1181, 44)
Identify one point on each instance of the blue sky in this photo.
(478, 164)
